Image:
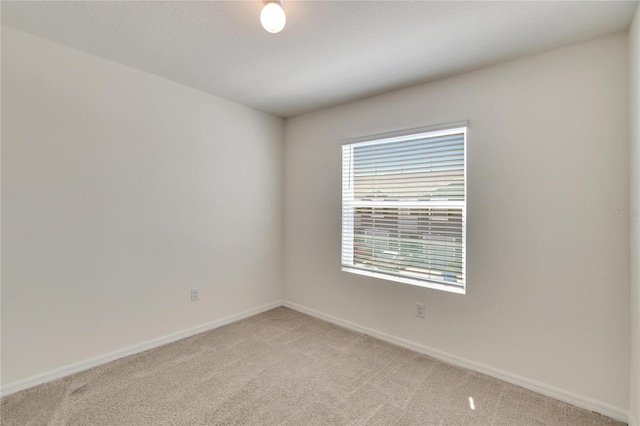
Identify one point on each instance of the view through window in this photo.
(404, 207)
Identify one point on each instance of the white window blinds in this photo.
(403, 208)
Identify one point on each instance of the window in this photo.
(404, 207)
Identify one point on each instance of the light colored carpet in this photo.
(284, 368)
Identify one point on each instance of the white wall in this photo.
(120, 192)
(634, 53)
(548, 271)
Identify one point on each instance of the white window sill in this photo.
(406, 280)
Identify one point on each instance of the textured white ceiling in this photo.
(330, 52)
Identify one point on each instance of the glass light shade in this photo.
(273, 18)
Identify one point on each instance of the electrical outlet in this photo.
(195, 294)
(419, 310)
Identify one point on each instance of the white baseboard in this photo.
(541, 388)
(131, 350)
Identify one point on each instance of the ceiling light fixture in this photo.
(272, 16)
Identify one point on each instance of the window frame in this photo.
(460, 127)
